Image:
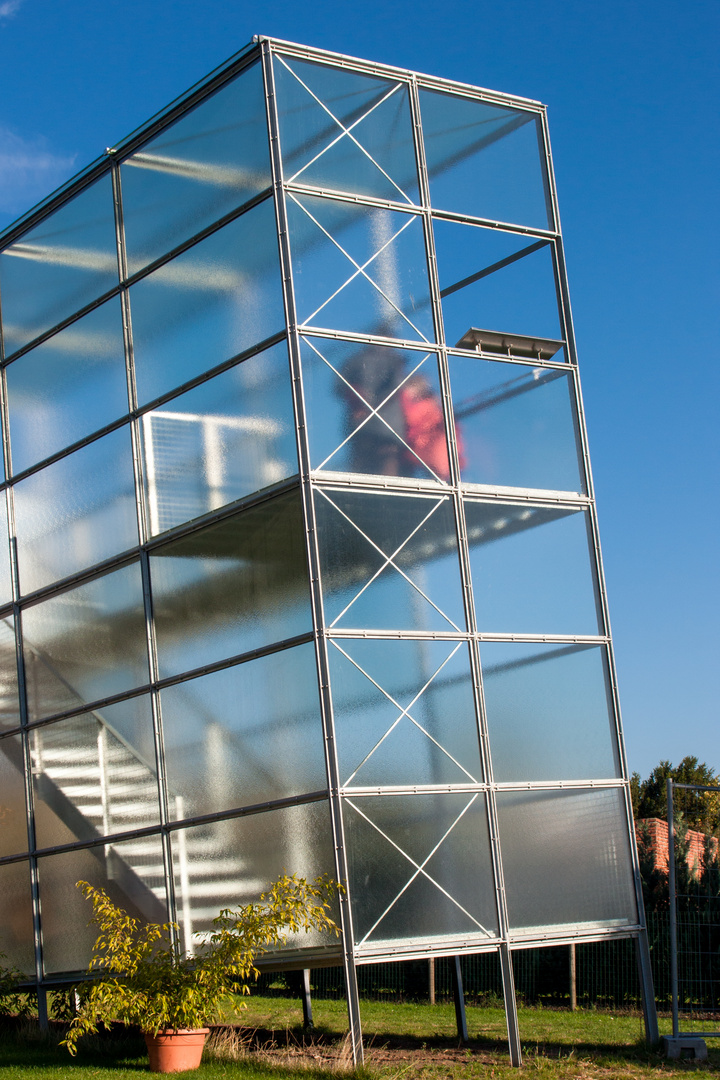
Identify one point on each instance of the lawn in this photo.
(403, 1041)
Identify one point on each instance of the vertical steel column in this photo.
(306, 1000)
(459, 998)
(491, 806)
(136, 443)
(313, 555)
(672, 885)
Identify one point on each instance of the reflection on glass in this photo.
(217, 299)
(5, 572)
(16, 924)
(359, 268)
(374, 410)
(9, 701)
(68, 387)
(515, 425)
(566, 858)
(211, 160)
(404, 713)
(76, 512)
(549, 711)
(343, 131)
(484, 160)
(497, 281)
(244, 735)
(229, 437)
(531, 569)
(132, 875)
(64, 263)
(86, 643)
(95, 774)
(232, 587)
(229, 863)
(389, 561)
(13, 819)
(420, 867)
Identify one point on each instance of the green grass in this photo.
(403, 1041)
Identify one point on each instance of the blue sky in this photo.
(632, 90)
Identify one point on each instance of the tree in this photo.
(700, 809)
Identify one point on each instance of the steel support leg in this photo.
(306, 1000)
(511, 1016)
(642, 953)
(459, 995)
(42, 1008)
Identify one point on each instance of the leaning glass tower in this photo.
(300, 567)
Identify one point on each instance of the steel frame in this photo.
(308, 483)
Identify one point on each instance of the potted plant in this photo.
(143, 978)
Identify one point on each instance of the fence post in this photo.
(573, 977)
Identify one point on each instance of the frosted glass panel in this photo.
(359, 268)
(16, 928)
(404, 712)
(9, 702)
(5, 573)
(91, 777)
(217, 299)
(244, 735)
(515, 425)
(419, 867)
(211, 160)
(531, 569)
(343, 131)
(374, 410)
(86, 643)
(232, 587)
(566, 858)
(13, 820)
(484, 159)
(130, 872)
(229, 437)
(549, 712)
(498, 281)
(229, 863)
(389, 561)
(76, 512)
(64, 263)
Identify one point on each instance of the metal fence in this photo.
(605, 974)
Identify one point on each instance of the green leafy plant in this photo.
(145, 979)
(12, 1000)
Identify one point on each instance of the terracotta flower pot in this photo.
(176, 1051)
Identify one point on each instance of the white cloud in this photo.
(8, 8)
(29, 170)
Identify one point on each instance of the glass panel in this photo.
(566, 858)
(5, 572)
(389, 561)
(531, 568)
(345, 132)
(550, 712)
(92, 777)
(420, 867)
(58, 267)
(229, 863)
(515, 425)
(499, 282)
(68, 387)
(359, 268)
(86, 643)
(229, 437)
(374, 410)
(76, 512)
(404, 713)
(244, 735)
(132, 875)
(13, 821)
(232, 587)
(210, 303)
(484, 160)
(9, 701)
(16, 924)
(211, 160)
